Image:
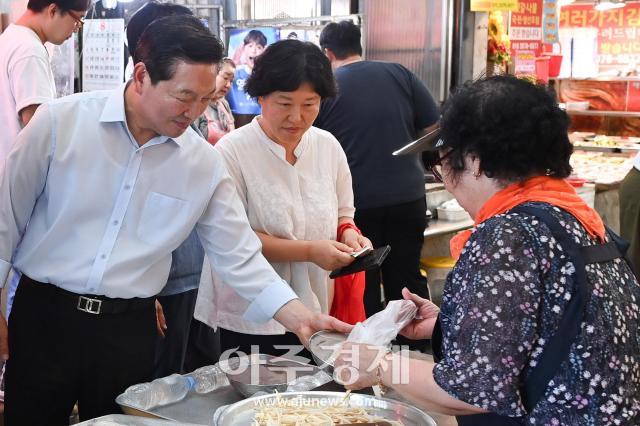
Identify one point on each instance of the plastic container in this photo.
(452, 215)
(542, 68)
(555, 63)
(163, 391)
(577, 106)
(437, 269)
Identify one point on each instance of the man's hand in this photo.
(161, 322)
(299, 319)
(4, 339)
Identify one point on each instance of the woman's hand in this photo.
(329, 255)
(354, 240)
(357, 365)
(427, 311)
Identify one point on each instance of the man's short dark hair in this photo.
(514, 127)
(64, 5)
(343, 38)
(286, 65)
(167, 41)
(146, 15)
(256, 36)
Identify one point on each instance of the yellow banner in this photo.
(490, 5)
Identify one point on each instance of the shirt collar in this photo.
(278, 149)
(114, 111)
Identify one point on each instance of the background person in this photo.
(110, 183)
(295, 185)
(380, 107)
(218, 120)
(527, 333)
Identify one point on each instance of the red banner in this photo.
(618, 30)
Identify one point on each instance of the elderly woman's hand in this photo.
(354, 240)
(329, 255)
(357, 365)
(422, 326)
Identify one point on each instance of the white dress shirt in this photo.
(295, 202)
(636, 162)
(105, 214)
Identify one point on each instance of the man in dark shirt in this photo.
(380, 107)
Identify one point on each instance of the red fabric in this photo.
(348, 296)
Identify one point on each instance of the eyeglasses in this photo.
(79, 19)
(434, 163)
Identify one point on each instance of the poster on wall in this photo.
(618, 32)
(525, 32)
(102, 54)
(245, 45)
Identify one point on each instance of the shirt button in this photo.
(115, 222)
(127, 187)
(103, 256)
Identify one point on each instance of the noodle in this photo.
(291, 412)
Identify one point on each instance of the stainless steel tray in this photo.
(123, 420)
(194, 408)
(242, 413)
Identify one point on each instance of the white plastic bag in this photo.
(380, 329)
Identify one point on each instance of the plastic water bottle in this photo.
(163, 391)
(209, 378)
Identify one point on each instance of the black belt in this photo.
(89, 303)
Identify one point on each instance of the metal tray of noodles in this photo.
(243, 413)
(264, 373)
(324, 346)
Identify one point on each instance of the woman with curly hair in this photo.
(540, 316)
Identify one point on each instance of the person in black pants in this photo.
(380, 107)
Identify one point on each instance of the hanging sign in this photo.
(550, 22)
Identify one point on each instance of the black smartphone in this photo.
(372, 259)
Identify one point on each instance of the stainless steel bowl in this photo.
(323, 345)
(243, 412)
(264, 373)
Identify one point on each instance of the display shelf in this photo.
(598, 113)
(440, 227)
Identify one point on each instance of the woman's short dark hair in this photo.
(515, 128)
(286, 65)
(180, 38)
(64, 5)
(257, 37)
(343, 38)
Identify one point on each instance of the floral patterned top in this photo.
(504, 300)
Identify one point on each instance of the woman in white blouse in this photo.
(295, 184)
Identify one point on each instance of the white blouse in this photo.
(297, 202)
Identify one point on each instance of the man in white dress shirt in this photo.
(110, 183)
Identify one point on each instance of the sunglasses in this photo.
(434, 162)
